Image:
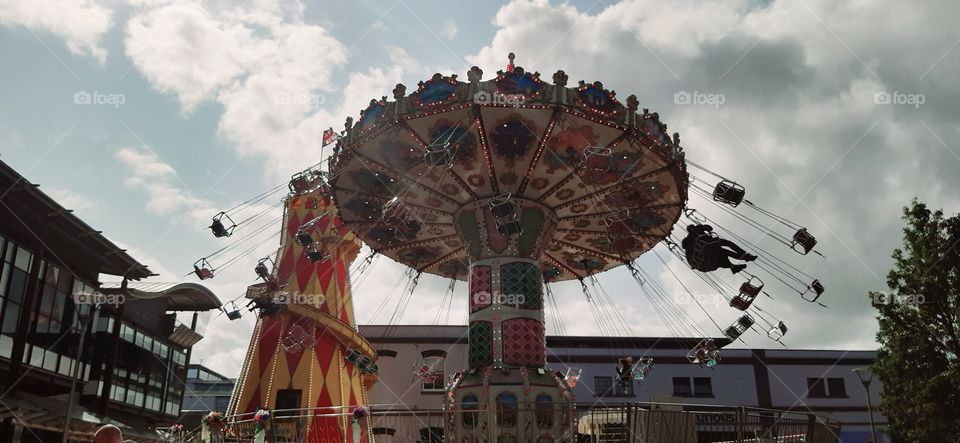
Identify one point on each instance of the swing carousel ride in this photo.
(510, 184)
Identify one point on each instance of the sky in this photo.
(147, 117)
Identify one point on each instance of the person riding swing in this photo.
(706, 251)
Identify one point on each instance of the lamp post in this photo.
(866, 377)
(84, 320)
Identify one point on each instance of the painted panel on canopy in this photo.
(376, 186)
(454, 266)
(513, 138)
(656, 189)
(644, 220)
(460, 130)
(399, 155)
(564, 151)
(583, 182)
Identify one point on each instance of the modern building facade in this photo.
(818, 382)
(206, 390)
(130, 359)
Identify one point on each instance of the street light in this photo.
(866, 377)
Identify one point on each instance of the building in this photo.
(130, 360)
(812, 382)
(206, 390)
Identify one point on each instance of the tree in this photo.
(919, 345)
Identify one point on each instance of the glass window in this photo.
(18, 284)
(6, 345)
(681, 387)
(436, 365)
(4, 278)
(702, 386)
(602, 385)
(816, 388)
(10, 317)
(543, 410)
(506, 410)
(24, 259)
(836, 387)
(470, 405)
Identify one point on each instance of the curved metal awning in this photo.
(180, 296)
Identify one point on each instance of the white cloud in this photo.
(151, 175)
(448, 30)
(69, 199)
(268, 69)
(81, 23)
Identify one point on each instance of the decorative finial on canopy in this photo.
(399, 91)
(510, 56)
(475, 74)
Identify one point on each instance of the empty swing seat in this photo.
(729, 192)
(203, 273)
(739, 327)
(804, 240)
(598, 158)
(777, 332)
(508, 228)
(502, 206)
(620, 223)
(748, 292)
(816, 288)
(623, 244)
(438, 154)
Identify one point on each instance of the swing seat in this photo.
(219, 229)
(622, 244)
(304, 238)
(299, 184)
(817, 288)
(502, 206)
(777, 332)
(729, 192)
(598, 158)
(642, 368)
(739, 327)
(705, 352)
(620, 223)
(748, 292)
(234, 314)
(315, 255)
(508, 228)
(705, 253)
(262, 271)
(572, 377)
(203, 273)
(439, 154)
(804, 240)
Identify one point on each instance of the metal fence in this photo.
(628, 423)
